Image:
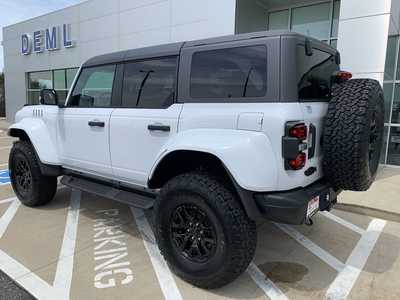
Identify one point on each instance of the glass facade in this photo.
(319, 20)
(391, 88)
(60, 80)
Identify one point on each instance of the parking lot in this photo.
(82, 246)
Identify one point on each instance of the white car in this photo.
(216, 134)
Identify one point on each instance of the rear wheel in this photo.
(202, 231)
(353, 134)
(30, 186)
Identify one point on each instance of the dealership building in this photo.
(46, 52)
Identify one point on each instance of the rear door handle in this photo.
(96, 123)
(158, 127)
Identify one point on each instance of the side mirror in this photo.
(49, 97)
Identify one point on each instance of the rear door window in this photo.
(150, 83)
(229, 73)
(315, 74)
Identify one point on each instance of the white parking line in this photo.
(63, 277)
(344, 282)
(7, 200)
(164, 275)
(27, 279)
(343, 222)
(8, 216)
(312, 247)
(269, 288)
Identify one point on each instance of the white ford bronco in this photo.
(216, 135)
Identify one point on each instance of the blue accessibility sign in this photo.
(4, 177)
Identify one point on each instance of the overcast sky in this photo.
(14, 11)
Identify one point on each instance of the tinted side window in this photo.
(150, 83)
(315, 74)
(94, 87)
(229, 73)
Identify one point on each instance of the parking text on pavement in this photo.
(110, 251)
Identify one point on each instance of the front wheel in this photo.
(31, 187)
(202, 231)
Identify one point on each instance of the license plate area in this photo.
(313, 206)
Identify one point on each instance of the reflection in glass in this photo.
(383, 150)
(390, 58)
(62, 95)
(59, 79)
(278, 20)
(229, 73)
(71, 76)
(94, 87)
(335, 24)
(394, 146)
(388, 92)
(334, 43)
(40, 80)
(312, 20)
(396, 105)
(33, 97)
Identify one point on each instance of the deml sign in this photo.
(49, 39)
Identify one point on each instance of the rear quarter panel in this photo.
(254, 157)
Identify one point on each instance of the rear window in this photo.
(150, 83)
(229, 73)
(314, 74)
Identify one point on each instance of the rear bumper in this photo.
(290, 207)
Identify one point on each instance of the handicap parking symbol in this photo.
(4, 177)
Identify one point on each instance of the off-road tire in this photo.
(236, 242)
(42, 188)
(351, 143)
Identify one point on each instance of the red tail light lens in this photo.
(299, 162)
(299, 131)
(344, 75)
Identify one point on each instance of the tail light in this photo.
(342, 76)
(299, 131)
(299, 162)
(293, 145)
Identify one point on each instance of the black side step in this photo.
(103, 190)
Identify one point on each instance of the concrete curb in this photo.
(369, 211)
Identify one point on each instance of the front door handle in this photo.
(96, 123)
(159, 127)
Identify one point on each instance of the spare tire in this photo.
(353, 134)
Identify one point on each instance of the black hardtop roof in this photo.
(175, 48)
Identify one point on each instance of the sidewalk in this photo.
(381, 200)
(4, 124)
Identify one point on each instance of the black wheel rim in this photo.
(192, 233)
(23, 175)
(373, 139)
